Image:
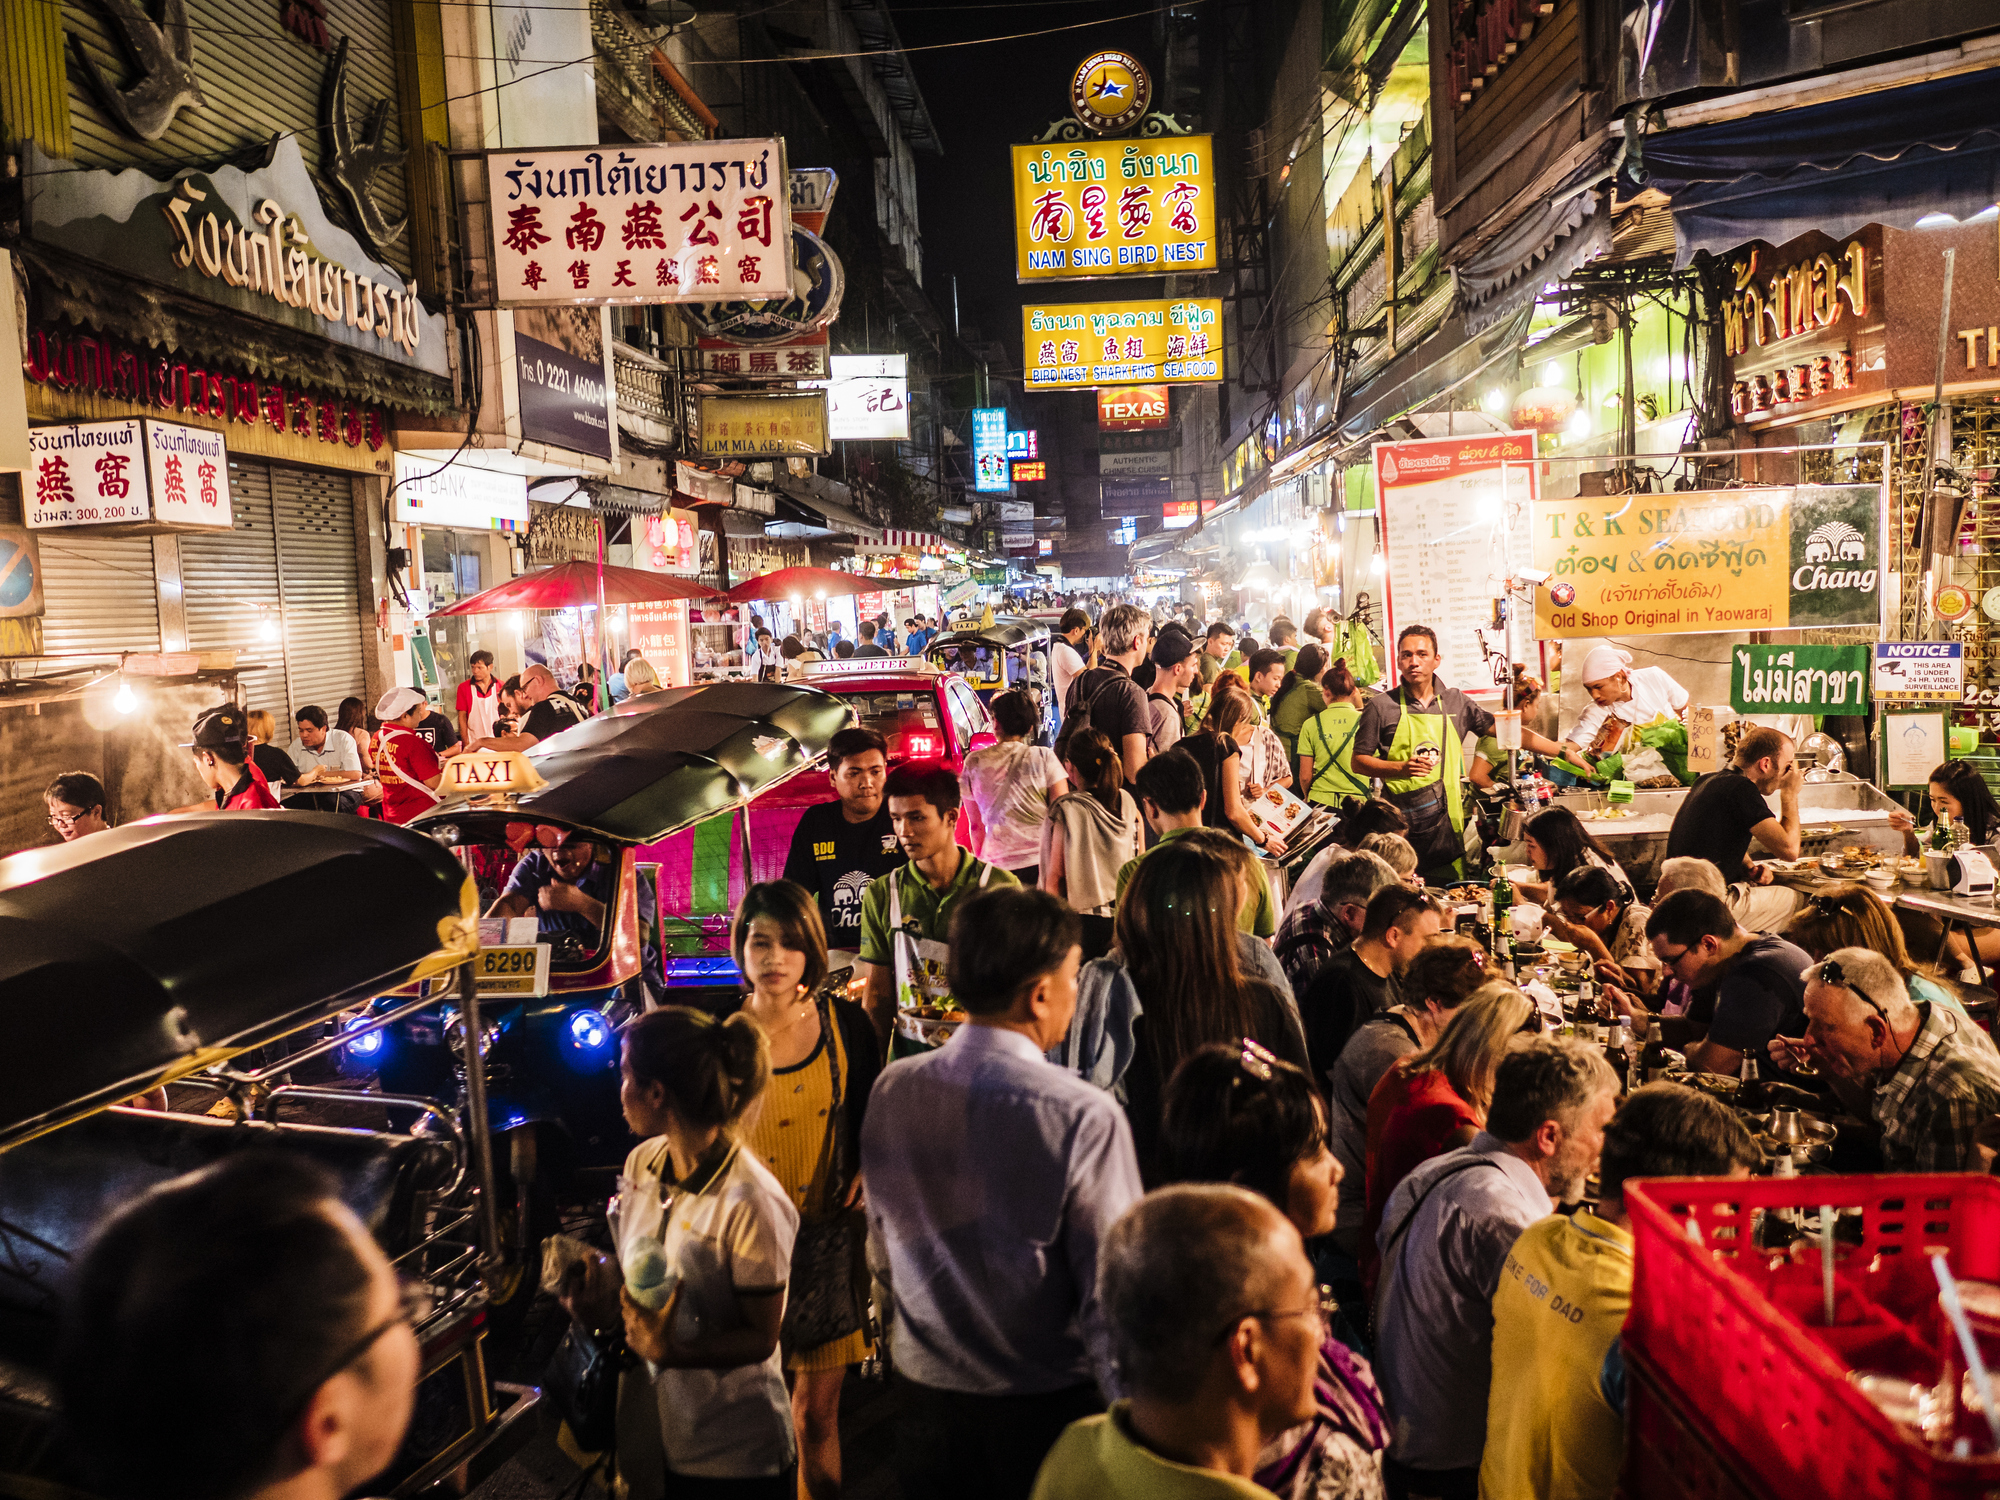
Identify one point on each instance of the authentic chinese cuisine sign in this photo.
(1081, 344)
(1114, 208)
(673, 222)
(764, 426)
(1706, 561)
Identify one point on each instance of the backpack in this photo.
(1077, 712)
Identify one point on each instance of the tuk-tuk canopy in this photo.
(140, 955)
(661, 762)
(1005, 634)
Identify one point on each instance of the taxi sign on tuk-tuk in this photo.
(489, 771)
(514, 970)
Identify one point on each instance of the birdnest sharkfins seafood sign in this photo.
(254, 240)
(1709, 561)
(679, 221)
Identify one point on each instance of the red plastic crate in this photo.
(1735, 1332)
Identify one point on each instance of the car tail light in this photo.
(922, 746)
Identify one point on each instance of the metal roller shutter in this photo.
(100, 594)
(315, 516)
(231, 581)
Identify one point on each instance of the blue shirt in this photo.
(993, 1176)
(600, 883)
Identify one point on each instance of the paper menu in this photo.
(1277, 811)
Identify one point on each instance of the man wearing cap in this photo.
(403, 758)
(221, 747)
(1620, 696)
(1175, 666)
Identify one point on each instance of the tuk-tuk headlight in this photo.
(363, 1047)
(445, 833)
(454, 1035)
(589, 1030)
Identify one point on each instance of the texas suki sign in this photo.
(680, 221)
(1123, 408)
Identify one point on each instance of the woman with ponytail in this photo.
(1298, 698)
(1089, 836)
(704, 1236)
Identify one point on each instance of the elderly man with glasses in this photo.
(1925, 1073)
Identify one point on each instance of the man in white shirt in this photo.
(1618, 691)
(1066, 653)
(326, 757)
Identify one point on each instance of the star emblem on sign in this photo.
(1110, 91)
(1109, 88)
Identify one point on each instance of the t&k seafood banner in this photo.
(1708, 561)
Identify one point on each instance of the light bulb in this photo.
(269, 629)
(1579, 425)
(126, 700)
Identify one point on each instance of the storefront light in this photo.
(268, 630)
(126, 700)
(1496, 401)
(1579, 425)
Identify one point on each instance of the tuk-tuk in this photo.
(170, 950)
(1010, 652)
(631, 785)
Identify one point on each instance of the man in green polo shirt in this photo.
(1171, 794)
(906, 914)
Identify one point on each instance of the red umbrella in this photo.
(790, 583)
(567, 585)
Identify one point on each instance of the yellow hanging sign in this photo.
(1114, 208)
(1077, 345)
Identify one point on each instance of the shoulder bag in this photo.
(1395, 1247)
(823, 1302)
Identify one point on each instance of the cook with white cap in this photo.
(404, 759)
(1621, 695)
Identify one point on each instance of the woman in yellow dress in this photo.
(807, 1130)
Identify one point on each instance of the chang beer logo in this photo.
(1836, 570)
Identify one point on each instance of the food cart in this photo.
(169, 950)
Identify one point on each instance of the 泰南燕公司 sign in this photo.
(1445, 503)
(1709, 561)
(1920, 671)
(671, 221)
(1114, 208)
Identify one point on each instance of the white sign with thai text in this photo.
(675, 221)
(189, 470)
(87, 474)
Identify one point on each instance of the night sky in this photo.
(985, 98)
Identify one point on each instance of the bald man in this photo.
(549, 712)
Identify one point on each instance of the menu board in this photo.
(1441, 517)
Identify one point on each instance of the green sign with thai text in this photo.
(1799, 679)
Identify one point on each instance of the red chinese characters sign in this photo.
(679, 221)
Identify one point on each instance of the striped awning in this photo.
(915, 541)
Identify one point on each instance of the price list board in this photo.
(1443, 502)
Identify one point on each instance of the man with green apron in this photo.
(1414, 739)
(906, 914)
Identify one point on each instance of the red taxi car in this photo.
(922, 712)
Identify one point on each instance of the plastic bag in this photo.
(1669, 738)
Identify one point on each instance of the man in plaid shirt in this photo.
(1315, 931)
(1925, 1073)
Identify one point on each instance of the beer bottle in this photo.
(1750, 1088)
(1653, 1060)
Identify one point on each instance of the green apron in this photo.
(1437, 819)
(1337, 725)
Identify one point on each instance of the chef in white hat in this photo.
(1621, 695)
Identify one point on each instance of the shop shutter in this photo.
(315, 516)
(99, 594)
(231, 581)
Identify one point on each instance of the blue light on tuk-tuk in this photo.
(589, 1030)
(363, 1046)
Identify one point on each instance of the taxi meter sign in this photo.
(1920, 671)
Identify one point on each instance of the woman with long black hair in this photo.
(1557, 843)
(1089, 836)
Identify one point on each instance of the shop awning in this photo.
(815, 498)
(1546, 243)
(1889, 157)
(1442, 363)
(917, 541)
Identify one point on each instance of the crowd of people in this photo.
(1189, 1196)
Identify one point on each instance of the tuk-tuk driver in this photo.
(565, 887)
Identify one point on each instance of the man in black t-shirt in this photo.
(1359, 983)
(1757, 980)
(1725, 810)
(839, 846)
(438, 732)
(550, 712)
(1118, 707)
